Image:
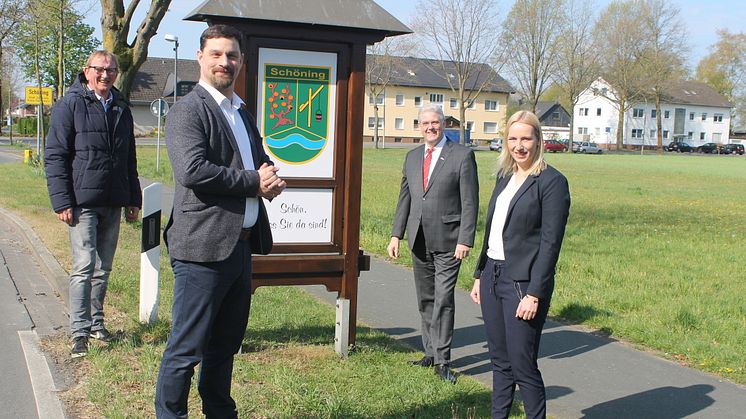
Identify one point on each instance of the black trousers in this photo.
(513, 343)
(210, 314)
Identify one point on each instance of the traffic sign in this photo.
(159, 107)
(32, 95)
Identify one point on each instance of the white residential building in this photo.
(691, 112)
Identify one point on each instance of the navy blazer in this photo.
(533, 232)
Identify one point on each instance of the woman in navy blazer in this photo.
(526, 220)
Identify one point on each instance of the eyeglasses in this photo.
(109, 70)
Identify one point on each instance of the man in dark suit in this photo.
(218, 219)
(438, 205)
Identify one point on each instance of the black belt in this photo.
(245, 235)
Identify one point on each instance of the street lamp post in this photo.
(175, 40)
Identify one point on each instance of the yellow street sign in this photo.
(32, 95)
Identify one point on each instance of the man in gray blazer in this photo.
(218, 220)
(438, 205)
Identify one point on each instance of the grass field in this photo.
(654, 251)
(653, 254)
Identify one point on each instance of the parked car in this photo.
(496, 145)
(711, 148)
(681, 147)
(734, 148)
(586, 147)
(554, 146)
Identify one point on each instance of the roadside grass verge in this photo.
(287, 367)
(653, 254)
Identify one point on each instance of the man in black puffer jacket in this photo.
(91, 174)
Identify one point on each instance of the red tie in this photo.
(426, 167)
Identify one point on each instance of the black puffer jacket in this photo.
(87, 166)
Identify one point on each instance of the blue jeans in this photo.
(93, 241)
(209, 318)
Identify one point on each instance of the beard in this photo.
(222, 80)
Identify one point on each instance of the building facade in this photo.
(415, 82)
(691, 112)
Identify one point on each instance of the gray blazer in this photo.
(211, 183)
(447, 210)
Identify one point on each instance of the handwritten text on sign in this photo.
(301, 216)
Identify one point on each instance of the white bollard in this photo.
(150, 258)
(342, 327)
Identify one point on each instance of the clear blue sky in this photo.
(702, 19)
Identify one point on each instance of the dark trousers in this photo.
(435, 275)
(513, 343)
(210, 314)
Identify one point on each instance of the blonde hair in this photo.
(507, 164)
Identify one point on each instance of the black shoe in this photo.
(104, 335)
(445, 373)
(80, 347)
(425, 362)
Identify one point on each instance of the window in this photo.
(555, 116)
(416, 124)
(704, 116)
(652, 133)
(436, 98)
(638, 113)
(689, 134)
(718, 117)
(691, 116)
(701, 135)
(637, 133)
(653, 113)
(399, 100)
(598, 111)
(582, 111)
(454, 103)
(399, 123)
(666, 114)
(418, 101)
(379, 99)
(470, 125)
(471, 104)
(665, 133)
(372, 122)
(490, 127)
(582, 130)
(490, 105)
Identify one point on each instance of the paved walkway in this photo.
(587, 376)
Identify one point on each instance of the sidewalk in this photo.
(586, 376)
(31, 306)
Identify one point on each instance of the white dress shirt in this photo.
(436, 154)
(241, 134)
(495, 246)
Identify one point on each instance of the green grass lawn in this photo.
(654, 251)
(653, 255)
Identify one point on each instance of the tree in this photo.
(577, 56)
(725, 71)
(617, 33)
(56, 68)
(115, 25)
(462, 38)
(380, 66)
(11, 13)
(532, 31)
(663, 57)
